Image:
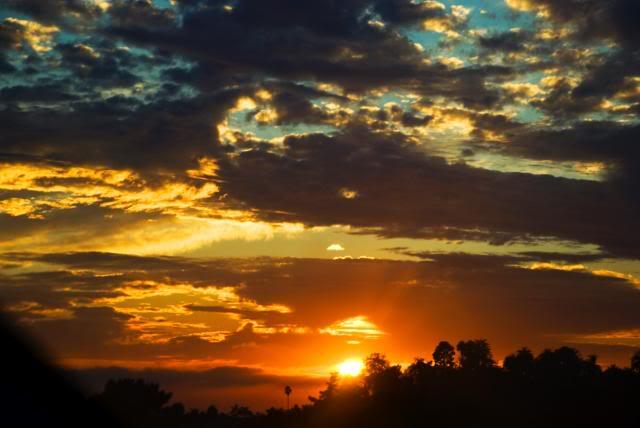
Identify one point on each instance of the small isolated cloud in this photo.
(335, 247)
(348, 193)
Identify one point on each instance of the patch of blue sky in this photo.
(391, 97)
(529, 114)
(4, 14)
(429, 40)
(163, 4)
(532, 77)
(67, 37)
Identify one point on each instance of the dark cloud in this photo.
(84, 333)
(403, 192)
(612, 143)
(106, 134)
(66, 12)
(597, 19)
(5, 66)
(140, 13)
(50, 93)
(293, 108)
(608, 77)
(484, 260)
(100, 67)
(324, 42)
(586, 141)
(406, 12)
(604, 74)
(10, 36)
(508, 41)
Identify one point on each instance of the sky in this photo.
(231, 196)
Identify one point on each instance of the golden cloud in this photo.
(36, 35)
(357, 327)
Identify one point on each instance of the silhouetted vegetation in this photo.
(557, 388)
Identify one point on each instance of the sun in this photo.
(351, 367)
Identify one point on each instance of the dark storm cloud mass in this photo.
(597, 19)
(586, 141)
(326, 41)
(613, 144)
(405, 192)
(140, 13)
(171, 135)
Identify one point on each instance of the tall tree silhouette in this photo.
(475, 354)
(444, 356)
(287, 392)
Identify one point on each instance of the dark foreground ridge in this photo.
(557, 388)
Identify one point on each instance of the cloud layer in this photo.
(492, 147)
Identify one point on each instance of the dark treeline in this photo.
(557, 388)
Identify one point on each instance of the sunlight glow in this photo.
(356, 327)
(351, 367)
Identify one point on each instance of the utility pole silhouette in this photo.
(287, 391)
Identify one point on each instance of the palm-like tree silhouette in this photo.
(287, 392)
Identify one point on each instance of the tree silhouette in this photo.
(240, 412)
(380, 375)
(134, 402)
(418, 372)
(635, 362)
(521, 363)
(444, 355)
(475, 354)
(287, 392)
(376, 363)
(557, 388)
(565, 362)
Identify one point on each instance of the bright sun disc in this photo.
(351, 367)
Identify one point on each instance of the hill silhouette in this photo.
(556, 388)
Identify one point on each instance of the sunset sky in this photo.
(232, 196)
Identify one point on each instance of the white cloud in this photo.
(335, 247)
